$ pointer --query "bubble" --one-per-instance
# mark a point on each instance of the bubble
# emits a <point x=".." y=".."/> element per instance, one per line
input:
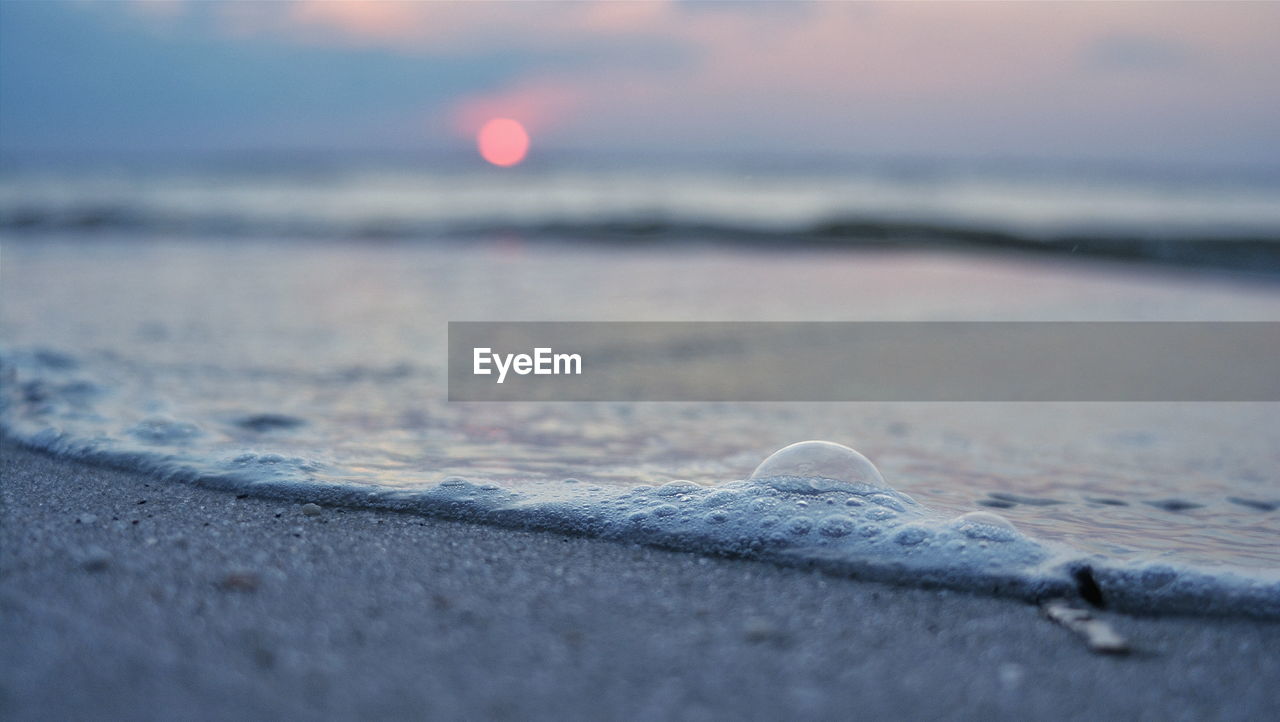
<point x="820" y="460"/>
<point x="886" y="501"/>
<point x="985" y="525"/>
<point x="800" y="525"/>
<point x="720" y="498"/>
<point x="911" y="536"/>
<point x="836" y="525"/>
<point x="459" y="489"/>
<point x="158" y="430"/>
<point x="717" y="517"/>
<point x="880" y="514"/>
<point x="680" y="486"/>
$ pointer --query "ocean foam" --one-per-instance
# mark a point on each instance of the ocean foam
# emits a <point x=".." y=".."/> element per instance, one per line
<point x="813" y="504"/>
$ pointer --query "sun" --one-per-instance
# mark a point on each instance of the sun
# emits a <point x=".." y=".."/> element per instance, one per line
<point x="503" y="142"/>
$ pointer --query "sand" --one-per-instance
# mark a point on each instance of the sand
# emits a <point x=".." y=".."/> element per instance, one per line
<point x="123" y="596"/>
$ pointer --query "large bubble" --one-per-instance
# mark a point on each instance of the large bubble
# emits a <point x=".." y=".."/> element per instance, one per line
<point x="820" y="460"/>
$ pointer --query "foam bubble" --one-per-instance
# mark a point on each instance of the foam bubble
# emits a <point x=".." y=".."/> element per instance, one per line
<point x="720" y="498"/>
<point x="836" y="525"/>
<point x="820" y="460"/>
<point x="678" y="487"/>
<point x="985" y="525"/>
<point x="161" y="430"/>
<point x="912" y="535"/>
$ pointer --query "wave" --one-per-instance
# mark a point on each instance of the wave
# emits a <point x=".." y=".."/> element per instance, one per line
<point x="813" y="504"/>
<point x="1224" y="225"/>
<point x="1258" y="253"/>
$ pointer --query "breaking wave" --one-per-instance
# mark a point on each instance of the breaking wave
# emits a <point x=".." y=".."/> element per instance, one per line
<point x="1224" y="225"/>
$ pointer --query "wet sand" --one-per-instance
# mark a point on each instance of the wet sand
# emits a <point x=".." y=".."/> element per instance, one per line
<point x="123" y="596"/>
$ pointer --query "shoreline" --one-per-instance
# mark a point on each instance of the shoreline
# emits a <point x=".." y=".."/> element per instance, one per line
<point x="1075" y="580"/>
<point x="124" y="595"/>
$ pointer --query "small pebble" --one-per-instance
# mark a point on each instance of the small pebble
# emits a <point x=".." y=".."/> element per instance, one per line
<point x="86" y="518"/>
<point x="1097" y="634"/>
<point x="311" y="509"/>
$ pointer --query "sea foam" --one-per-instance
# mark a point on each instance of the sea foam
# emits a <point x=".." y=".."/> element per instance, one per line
<point x="814" y="504"/>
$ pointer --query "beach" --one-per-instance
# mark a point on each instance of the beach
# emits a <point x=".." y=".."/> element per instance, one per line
<point x="130" y="596"/>
<point x="639" y="361"/>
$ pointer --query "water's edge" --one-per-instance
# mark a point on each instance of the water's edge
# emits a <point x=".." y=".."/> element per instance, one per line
<point x="1016" y="567"/>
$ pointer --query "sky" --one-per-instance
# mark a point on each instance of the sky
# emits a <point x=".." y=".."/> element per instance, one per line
<point x="1185" y="83"/>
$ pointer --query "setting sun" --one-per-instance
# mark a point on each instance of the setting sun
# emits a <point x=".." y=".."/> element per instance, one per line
<point x="503" y="142"/>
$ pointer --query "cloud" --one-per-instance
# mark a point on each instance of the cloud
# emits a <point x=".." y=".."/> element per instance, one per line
<point x="927" y="79"/>
<point x="917" y="78"/>
<point x="462" y="26"/>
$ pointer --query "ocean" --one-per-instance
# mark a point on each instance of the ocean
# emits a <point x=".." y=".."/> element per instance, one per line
<point x="280" y="329"/>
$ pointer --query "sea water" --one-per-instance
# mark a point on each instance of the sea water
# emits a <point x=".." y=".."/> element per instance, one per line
<point x="314" y="369"/>
<point x="346" y="198"/>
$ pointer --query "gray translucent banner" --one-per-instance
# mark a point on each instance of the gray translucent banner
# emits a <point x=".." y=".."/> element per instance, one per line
<point x="1055" y="361"/>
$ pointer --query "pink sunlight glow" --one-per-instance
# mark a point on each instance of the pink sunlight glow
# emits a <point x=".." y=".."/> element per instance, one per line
<point x="1017" y="79"/>
<point x="503" y="142"/>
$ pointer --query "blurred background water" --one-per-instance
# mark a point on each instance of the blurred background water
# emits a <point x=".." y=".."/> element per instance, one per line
<point x="1031" y="205"/>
